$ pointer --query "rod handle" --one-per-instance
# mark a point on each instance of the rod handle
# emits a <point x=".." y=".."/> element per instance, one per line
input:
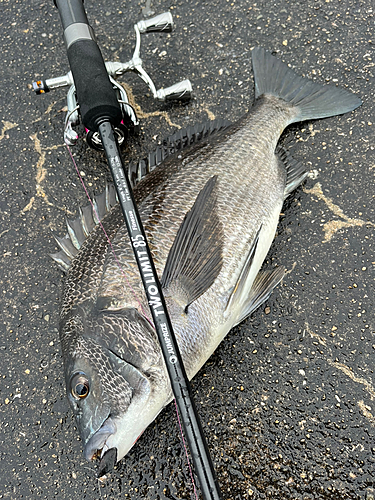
<point x="95" y="94"/>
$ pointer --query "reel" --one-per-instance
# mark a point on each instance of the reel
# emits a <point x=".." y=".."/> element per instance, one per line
<point x="180" y="91"/>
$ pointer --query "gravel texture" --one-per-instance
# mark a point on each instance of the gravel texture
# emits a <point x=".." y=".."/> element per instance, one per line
<point x="288" y="399"/>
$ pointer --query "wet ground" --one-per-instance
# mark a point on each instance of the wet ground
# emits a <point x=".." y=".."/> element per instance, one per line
<point x="288" y="399"/>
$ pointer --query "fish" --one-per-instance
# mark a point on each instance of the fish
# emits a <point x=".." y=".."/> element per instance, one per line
<point x="210" y="206"/>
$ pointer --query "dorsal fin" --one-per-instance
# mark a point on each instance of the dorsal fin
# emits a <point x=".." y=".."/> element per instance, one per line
<point x="195" y="258"/>
<point x="80" y="228"/>
<point x="296" y="171"/>
<point x="180" y="140"/>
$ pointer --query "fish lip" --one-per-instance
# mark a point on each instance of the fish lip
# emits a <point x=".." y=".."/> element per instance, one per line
<point x="99" y="439"/>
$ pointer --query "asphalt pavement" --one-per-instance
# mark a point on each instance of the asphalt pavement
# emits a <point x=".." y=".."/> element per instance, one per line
<point x="288" y="399"/>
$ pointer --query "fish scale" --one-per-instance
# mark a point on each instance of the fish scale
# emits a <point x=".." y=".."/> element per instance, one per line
<point x="82" y="282"/>
<point x="161" y="224"/>
<point x="210" y="212"/>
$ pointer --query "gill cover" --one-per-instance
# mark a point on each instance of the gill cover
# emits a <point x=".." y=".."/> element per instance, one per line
<point x="102" y="370"/>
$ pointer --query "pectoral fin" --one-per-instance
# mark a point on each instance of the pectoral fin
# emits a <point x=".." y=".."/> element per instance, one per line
<point x="195" y="258"/>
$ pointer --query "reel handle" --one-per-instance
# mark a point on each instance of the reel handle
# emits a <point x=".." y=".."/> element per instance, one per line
<point x="180" y="91"/>
<point x="40" y="87"/>
<point x="162" y="22"/>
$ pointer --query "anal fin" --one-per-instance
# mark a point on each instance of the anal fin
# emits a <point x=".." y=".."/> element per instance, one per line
<point x="236" y="296"/>
<point x="262" y="288"/>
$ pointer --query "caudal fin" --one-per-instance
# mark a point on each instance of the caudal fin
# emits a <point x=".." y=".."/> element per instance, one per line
<point x="313" y="100"/>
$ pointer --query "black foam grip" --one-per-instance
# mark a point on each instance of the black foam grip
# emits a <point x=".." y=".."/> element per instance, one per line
<point x="95" y="94"/>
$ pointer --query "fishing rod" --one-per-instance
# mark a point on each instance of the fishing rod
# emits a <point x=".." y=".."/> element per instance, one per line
<point x="101" y="114"/>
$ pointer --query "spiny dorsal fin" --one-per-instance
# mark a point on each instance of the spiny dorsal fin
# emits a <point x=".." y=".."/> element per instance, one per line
<point x="195" y="258"/>
<point x="80" y="228"/>
<point x="75" y="232"/>
<point x="179" y="141"/>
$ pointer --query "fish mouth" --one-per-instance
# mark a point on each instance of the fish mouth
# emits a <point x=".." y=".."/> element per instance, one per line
<point x="96" y="446"/>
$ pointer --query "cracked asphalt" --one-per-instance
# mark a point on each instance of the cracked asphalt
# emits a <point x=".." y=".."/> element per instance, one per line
<point x="288" y="399"/>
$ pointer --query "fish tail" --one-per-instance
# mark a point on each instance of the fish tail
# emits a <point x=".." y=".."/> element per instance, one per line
<point x="313" y="100"/>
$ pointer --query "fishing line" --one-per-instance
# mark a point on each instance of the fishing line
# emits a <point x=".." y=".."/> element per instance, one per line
<point x="108" y="239"/>
<point x="186" y="451"/>
<point x="139" y="303"/>
<point x="102" y="113"/>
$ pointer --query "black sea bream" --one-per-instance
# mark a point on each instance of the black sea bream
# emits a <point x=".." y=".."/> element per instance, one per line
<point x="210" y="212"/>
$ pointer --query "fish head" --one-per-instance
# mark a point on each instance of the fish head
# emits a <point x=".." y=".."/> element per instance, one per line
<point x="113" y="377"/>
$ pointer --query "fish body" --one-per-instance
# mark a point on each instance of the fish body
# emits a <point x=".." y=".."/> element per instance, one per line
<point x="210" y="213"/>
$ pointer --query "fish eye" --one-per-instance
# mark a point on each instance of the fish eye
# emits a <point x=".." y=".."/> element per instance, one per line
<point x="79" y="386"/>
